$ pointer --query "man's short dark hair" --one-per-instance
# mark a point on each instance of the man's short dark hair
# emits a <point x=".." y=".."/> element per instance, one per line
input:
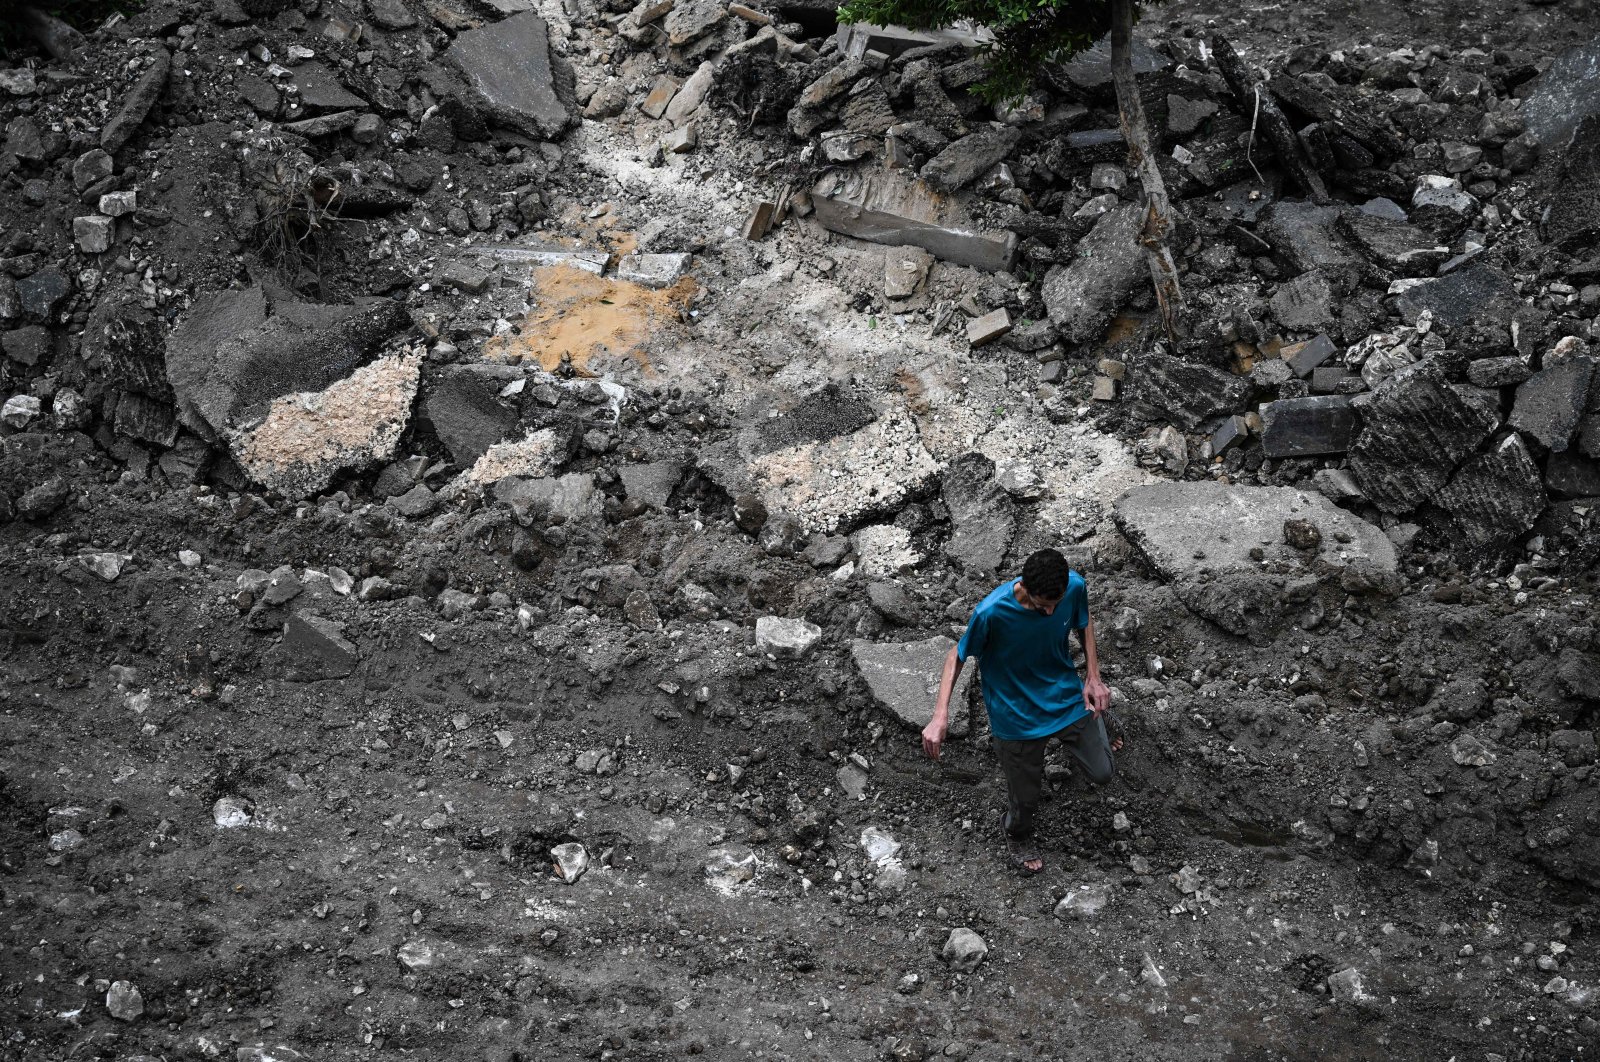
<point x="1045" y="574"/>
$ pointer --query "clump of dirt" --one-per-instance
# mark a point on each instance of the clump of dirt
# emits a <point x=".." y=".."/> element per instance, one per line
<point x="579" y="318"/>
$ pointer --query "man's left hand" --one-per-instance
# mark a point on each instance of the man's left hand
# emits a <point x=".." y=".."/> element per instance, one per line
<point x="1097" y="696"/>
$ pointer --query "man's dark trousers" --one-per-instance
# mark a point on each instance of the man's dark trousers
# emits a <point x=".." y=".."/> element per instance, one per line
<point x="1022" y="762"/>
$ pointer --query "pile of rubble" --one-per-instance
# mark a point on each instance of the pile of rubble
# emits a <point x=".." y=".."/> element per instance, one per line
<point x="1387" y="300"/>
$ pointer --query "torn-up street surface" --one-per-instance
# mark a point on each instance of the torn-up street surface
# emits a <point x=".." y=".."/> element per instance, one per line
<point x="487" y="488"/>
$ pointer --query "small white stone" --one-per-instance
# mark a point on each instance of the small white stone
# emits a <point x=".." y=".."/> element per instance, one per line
<point x="231" y="812"/>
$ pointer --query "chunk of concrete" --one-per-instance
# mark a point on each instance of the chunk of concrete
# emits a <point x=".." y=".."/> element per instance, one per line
<point x="517" y="81"/>
<point x="1186" y="529"/>
<point x="883" y="208"/>
<point x="786" y="639"/>
<point x="1304" y="236"/>
<point x="989" y="327"/>
<point x="572" y="497"/>
<point x="1305" y="427"/>
<point x="93" y="233"/>
<point x="1308" y="303"/>
<point x="654" y="270"/>
<point x="903" y="678"/>
<point x="651" y="483"/>
<point x="1551" y="403"/>
<point x="1083" y="296"/>
<point x="905" y="269"/>
<point x="465" y="411"/>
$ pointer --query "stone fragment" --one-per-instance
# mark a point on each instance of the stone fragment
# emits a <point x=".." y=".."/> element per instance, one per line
<point x="681" y="140"/>
<point x="391" y="14"/>
<point x="1083" y="296"/>
<point x="1308" y="303"/>
<point x="119" y="204"/>
<point x="1346" y="986"/>
<point x="232" y="813"/>
<point x="816" y="102"/>
<point x="570" y="861"/>
<point x="905" y="269"/>
<point x="1498" y="372"/>
<point x="786" y="639"/>
<point x="93" y="234"/>
<point x="1496" y="496"/>
<point x="136" y="103"/>
<point x="903" y="678"/>
<point x="1416" y="429"/>
<point x="1235" y="430"/>
<point x="124" y="1001"/>
<point x="572" y="497"/>
<point x="651" y="483"/>
<point x="689" y="20"/>
<point x="760" y="221"/>
<point x="510" y="67"/>
<point x="1304" y="236"/>
<point x="1571" y="475"/>
<point x="1085" y="901"/>
<point x="964" y="951"/>
<point x="1188" y="392"/>
<point x="1304" y="427"/>
<point x="105" y="565"/>
<point x="967" y="159"/>
<point x="91" y="167"/>
<point x="42" y="293"/>
<point x="1550" y="403"/>
<point x="43" y="501"/>
<point x="655" y="102"/>
<point x="688" y="98"/>
<point x="1185" y="115"/>
<point x="729" y="868"/>
<point x="988" y="328"/>
<point x="19" y="412"/>
<point x="1468" y="751"/>
<point x="417" y="955"/>
<point x="316" y="649"/>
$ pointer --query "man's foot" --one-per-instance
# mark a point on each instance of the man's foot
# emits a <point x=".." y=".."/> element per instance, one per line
<point x="1022" y="851"/>
<point x="1115" y="732"/>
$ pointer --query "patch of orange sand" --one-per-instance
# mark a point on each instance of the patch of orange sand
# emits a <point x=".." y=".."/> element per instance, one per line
<point x="584" y="316"/>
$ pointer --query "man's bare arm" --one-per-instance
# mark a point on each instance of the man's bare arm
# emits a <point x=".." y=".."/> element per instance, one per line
<point x="934" y="733"/>
<point x="1094" y="690"/>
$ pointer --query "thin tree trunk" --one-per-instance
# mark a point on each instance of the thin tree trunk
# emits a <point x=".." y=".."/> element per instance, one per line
<point x="51" y="34"/>
<point x="1156" y="235"/>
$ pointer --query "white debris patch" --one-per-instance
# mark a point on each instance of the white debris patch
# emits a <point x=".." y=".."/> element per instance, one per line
<point x="828" y="483"/>
<point x="539" y="453"/>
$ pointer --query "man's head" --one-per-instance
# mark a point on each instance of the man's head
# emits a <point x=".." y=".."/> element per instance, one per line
<point x="1044" y="580"/>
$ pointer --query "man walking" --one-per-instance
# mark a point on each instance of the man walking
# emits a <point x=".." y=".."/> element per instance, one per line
<point x="1032" y="689"/>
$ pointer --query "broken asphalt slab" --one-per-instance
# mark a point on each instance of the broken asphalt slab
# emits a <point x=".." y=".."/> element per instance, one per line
<point x="515" y="79"/>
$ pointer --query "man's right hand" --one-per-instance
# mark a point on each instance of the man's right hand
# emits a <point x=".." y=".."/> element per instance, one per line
<point x="933" y="736"/>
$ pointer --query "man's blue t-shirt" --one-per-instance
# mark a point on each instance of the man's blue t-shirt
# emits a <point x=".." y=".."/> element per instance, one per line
<point x="1030" y="683"/>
